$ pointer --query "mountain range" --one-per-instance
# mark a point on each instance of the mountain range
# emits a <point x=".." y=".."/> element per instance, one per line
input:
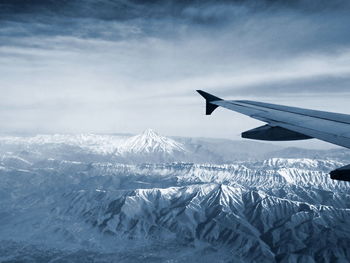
<point x="151" y="147"/>
<point x="119" y="198"/>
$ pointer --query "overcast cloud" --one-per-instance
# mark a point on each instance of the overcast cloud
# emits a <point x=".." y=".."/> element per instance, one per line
<point x="123" y="66"/>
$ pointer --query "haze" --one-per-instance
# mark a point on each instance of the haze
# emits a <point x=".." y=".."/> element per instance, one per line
<point x="123" y="66"/>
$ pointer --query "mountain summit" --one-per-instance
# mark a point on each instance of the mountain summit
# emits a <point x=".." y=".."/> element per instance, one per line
<point x="150" y="142"/>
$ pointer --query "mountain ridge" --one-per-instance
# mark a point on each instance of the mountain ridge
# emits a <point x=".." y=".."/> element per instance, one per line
<point x="66" y="202"/>
<point x="152" y="147"/>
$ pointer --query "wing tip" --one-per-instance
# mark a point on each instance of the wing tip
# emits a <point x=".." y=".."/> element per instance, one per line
<point x="207" y="96"/>
<point x="209" y="107"/>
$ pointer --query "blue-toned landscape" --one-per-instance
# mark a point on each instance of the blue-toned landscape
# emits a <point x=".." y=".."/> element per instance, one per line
<point x="123" y="198"/>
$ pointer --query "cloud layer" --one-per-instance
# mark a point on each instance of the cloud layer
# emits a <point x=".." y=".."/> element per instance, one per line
<point x="111" y="66"/>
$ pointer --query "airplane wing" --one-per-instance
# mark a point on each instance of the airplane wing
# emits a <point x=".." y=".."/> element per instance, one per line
<point x="289" y="123"/>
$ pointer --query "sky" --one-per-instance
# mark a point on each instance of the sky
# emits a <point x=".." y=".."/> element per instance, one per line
<point x="104" y="66"/>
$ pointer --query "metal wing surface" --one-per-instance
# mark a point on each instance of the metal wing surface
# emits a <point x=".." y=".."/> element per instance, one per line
<point x="287" y="123"/>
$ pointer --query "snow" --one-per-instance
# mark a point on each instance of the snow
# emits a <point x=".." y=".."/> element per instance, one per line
<point x="103" y="144"/>
<point x="260" y="210"/>
<point x="150" y="142"/>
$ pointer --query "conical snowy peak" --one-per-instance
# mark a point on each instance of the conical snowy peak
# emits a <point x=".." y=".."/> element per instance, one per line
<point x="150" y="142"/>
<point x="150" y="133"/>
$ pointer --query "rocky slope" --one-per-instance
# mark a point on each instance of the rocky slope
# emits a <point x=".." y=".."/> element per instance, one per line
<point x="62" y="209"/>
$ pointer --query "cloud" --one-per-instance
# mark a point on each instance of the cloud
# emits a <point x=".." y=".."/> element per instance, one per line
<point x="135" y="64"/>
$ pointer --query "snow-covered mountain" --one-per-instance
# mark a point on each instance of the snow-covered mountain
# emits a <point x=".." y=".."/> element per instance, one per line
<point x="150" y="142"/>
<point x="150" y="147"/>
<point x="146" y="147"/>
<point x="63" y="202"/>
<point x="254" y="225"/>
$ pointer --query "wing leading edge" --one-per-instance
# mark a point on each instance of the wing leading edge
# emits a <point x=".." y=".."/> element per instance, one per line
<point x="289" y="123"/>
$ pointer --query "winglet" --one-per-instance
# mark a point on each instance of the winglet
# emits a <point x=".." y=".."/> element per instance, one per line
<point x="209" y="107"/>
